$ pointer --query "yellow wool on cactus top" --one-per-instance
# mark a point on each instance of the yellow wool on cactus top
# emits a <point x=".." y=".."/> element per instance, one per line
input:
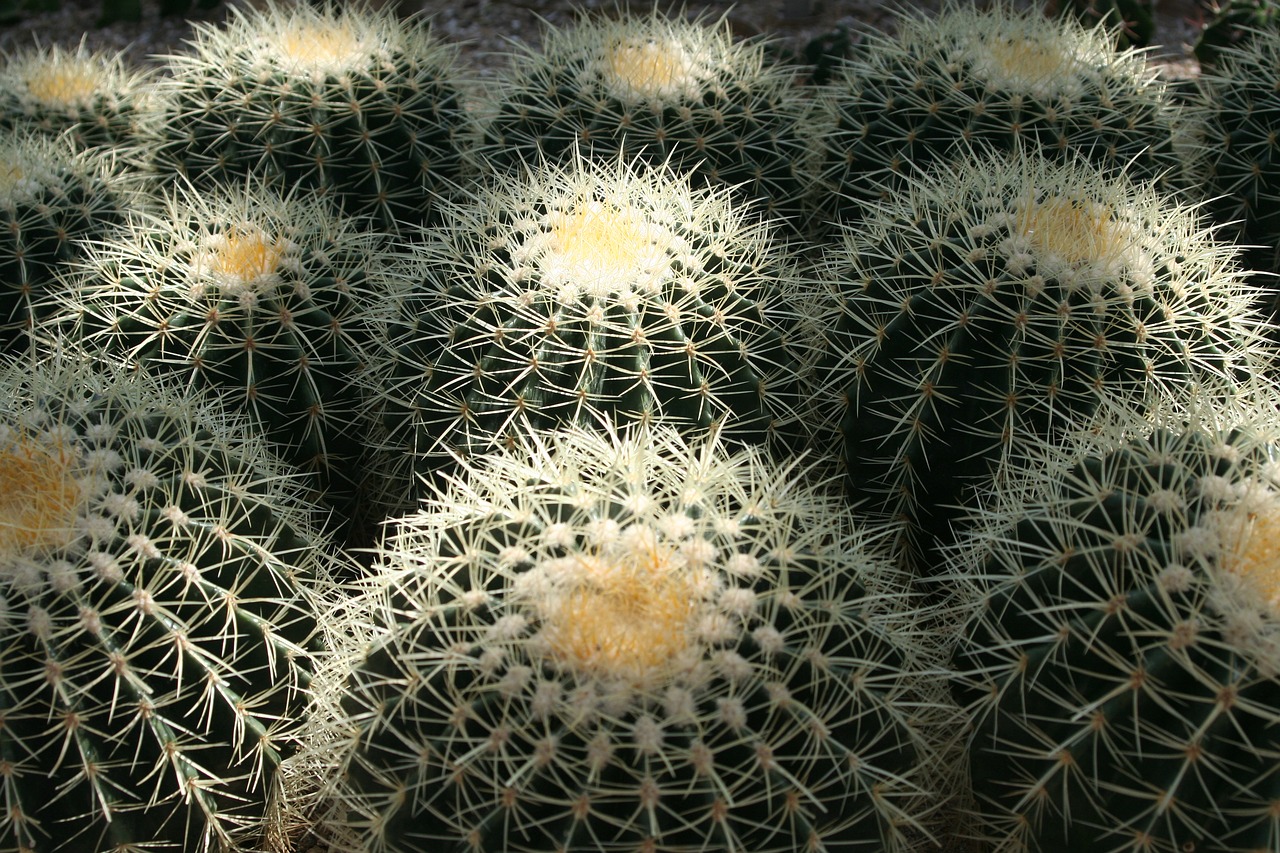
<point x="1079" y="232"/>
<point x="246" y="253"/>
<point x="40" y="496"/>
<point x="601" y="248"/>
<point x="322" y="44"/>
<point x="640" y="68"/>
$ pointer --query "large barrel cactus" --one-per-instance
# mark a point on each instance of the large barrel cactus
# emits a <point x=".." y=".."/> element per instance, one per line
<point x="156" y="572"/>
<point x="613" y="643"/>
<point x="341" y="99"/>
<point x="668" y="91"/>
<point x="1002" y="298"/>
<point x="596" y="293"/>
<point x="1124" y="666"/>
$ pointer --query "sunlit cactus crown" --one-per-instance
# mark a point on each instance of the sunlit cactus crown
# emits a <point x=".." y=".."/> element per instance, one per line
<point x="1125" y="659"/>
<point x="341" y="99"/>
<point x="594" y="294"/>
<point x="630" y="642"/>
<point x="664" y="89"/>
<point x="265" y="300"/>
<point x="155" y="567"/>
<point x="1006" y="297"/>
<point x="94" y="95"/>
<point x="997" y="77"/>
<point x="51" y="197"/>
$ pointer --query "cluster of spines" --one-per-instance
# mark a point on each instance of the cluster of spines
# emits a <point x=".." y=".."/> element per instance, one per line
<point x="661" y="90"/>
<point x="1121" y="666"/>
<point x="157" y="576"/>
<point x="608" y="642"/>
<point x="597" y="294"/>
<point x="999" y="299"/>
<point x="347" y="101"/>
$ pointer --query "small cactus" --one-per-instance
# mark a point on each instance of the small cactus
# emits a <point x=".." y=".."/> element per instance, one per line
<point x="156" y="615"/>
<point x="614" y="643"/>
<point x="1006" y="297"/>
<point x="1123" y="665"/>
<point x="596" y="293"/>
<point x="343" y="100"/>
<point x="265" y="301"/>
<point x="95" y="96"/>
<point x="662" y="90"/>
<point x="52" y="197"/>
<point x="998" y="78"/>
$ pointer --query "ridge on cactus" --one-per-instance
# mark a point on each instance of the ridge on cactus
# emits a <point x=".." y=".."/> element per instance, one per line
<point x="156" y="572"/>
<point x="627" y="641"/>
<point x="661" y="90"/>
<point x="52" y="197"/>
<point x="341" y="99"/>
<point x="1003" y="298"/>
<point x="93" y="95"/>
<point x="1123" y="662"/>
<point x="1002" y="78"/>
<point x="595" y="293"/>
<point x="266" y="301"/>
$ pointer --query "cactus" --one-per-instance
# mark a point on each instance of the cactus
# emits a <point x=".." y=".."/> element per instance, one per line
<point x="51" y="197"/>
<point x="349" y="101"/>
<point x="1123" y="665"/>
<point x="1001" y="78"/>
<point x="630" y="642"/>
<point x="1002" y="298"/>
<point x="95" y="96"/>
<point x="264" y="300"/>
<point x="593" y="294"/>
<point x="659" y="89"/>
<point x="155" y="612"/>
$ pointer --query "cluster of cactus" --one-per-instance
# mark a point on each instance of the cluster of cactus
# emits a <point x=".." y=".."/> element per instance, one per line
<point x="156" y="573"/>
<point x="685" y="94"/>
<point x="1123" y="668"/>
<point x="264" y="300"/>
<point x="93" y="96"/>
<point x="51" y="197"/>
<point x="1000" y="78"/>
<point x="1003" y="298"/>
<point x="354" y="103"/>
<point x="596" y="293"/>
<point x="613" y="642"/>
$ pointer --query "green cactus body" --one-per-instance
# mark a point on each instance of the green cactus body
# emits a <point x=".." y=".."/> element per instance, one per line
<point x="998" y="78"/>
<point x="631" y="643"/>
<point x="593" y="295"/>
<point x="93" y="96"/>
<point x="1007" y="298"/>
<point x="51" y="196"/>
<point x="1236" y="109"/>
<point x="262" y="300"/>
<point x="1124" y="667"/>
<point x="665" y="91"/>
<point x="355" y="103"/>
<point x="157" y="633"/>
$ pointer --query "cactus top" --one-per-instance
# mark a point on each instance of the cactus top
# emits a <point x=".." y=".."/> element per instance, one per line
<point x="31" y="164"/>
<point x="41" y="493"/>
<point x="65" y="81"/>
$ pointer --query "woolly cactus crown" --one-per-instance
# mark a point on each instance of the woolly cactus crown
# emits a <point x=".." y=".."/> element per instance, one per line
<point x="594" y="293"/>
<point x="613" y="642"/>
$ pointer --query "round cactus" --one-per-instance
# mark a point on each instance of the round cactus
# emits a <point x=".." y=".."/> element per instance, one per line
<point x="51" y="197"/>
<point x="1123" y="668"/>
<point x="663" y="90"/>
<point x="348" y="101"/>
<point x="1001" y="298"/>
<point x="593" y="294"/>
<point x="156" y="617"/>
<point x="265" y="301"/>
<point x="997" y="77"/>
<point x="617" y="643"/>
<point x="94" y="96"/>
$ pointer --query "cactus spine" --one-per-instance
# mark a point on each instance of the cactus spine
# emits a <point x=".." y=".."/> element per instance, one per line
<point x="661" y="90"/>
<point x="1124" y="663"/>
<point x="154" y="572"/>
<point x="1003" y="298"/>
<point x="611" y="643"/>
<point x="351" y="102"/>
